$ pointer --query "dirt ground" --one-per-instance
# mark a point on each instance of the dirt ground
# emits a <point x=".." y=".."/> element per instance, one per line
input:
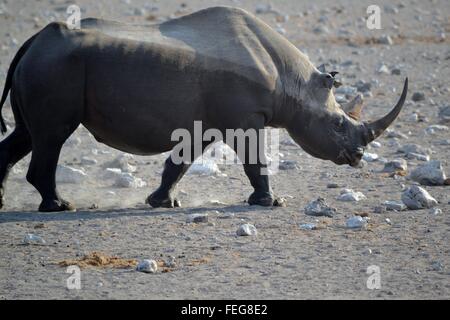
<point x="283" y="261"/>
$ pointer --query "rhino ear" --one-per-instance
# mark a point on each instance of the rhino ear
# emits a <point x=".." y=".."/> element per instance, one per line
<point x="353" y="108"/>
<point x="321" y="68"/>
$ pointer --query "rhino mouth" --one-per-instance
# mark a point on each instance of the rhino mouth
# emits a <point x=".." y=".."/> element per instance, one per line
<point x="352" y="160"/>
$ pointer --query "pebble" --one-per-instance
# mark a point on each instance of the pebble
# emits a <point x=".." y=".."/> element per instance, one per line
<point x="197" y="218"/>
<point x="357" y="222"/>
<point x="385" y="39"/>
<point x="246" y="230"/>
<point x="203" y="167"/>
<point x="444" y="113"/>
<point x="147" y="266"/>
<point x="287" y="165"/>
<point x="418" y="96"/>
<point x="86" y="161"/>
<point x="65" y="174"/>
<point x="127" y="180"/>
<point x="308" y="226"/>
<point x="436" y="128"/>
<point x="395" y="134"/>
<point x="112" y="173"/>
<point x="375" y="144"/>
<point x="413" y="148"/>
<point x="370" y="157"/>
<point x="435" y="211"/>
<point x="416" y="198"/>
<point x="429" y="174"/>
<point x="350" y="195"/>
<point x="437" y="266"/>
<point x="122" y="163"/>
<point x="319" y="207"/>
<point x="383" y="69"/>
<point x="32" y="239"/>
<point x="417" y="156"/>
<point x="394" y="205"/>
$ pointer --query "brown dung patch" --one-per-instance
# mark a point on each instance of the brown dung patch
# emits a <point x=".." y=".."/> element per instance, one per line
<point x="100" y="260"/>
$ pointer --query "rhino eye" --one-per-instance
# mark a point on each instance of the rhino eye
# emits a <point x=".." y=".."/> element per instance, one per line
<point x="339" y="124"/>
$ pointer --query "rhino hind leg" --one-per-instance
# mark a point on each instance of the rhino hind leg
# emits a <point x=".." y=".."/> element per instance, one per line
<point x="171" y="175"/>
<point x="16" y="146"/>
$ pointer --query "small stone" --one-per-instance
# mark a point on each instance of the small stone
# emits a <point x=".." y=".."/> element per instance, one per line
<point x="367" y="251"/>
<point x="436" y="128"/>
<point x="147" y="266"/>
<point x="429" y="174"/>
<point x="263" y="8"/>
<point x="444" y="114"/>
<point x="287" y="165"/>
<point x="203" y="167"/>
<point x="417" y="156"/>
<point x="333" y="185"/>
<point x="388" y="221"/>
<point x="416" y="198"/>
<point x="437" y="266"/>
<point x="413" y="148"/>
<point x="197" y="218"/>
<point x="31" y="239"/>
<point x="127" y="180"/>
<point x="319" y="207"/>
<point x="370" y="157"/>
<point x="418" y="96"/>
<point x="435" y="211"/>
<point x="86" y="161"/>
<point x="375" y="144"/>
<point x="383" y="69"/>
<point x="396" y="72"/>
<point x="357" y="222"/>
<point x="308" y="226"/>
<point x="65" y="174"/>
<point x="350" y="195"/>
<point x="246" y="230"/>
<point x="394" y="205"/>
<point x="123" y="163"/>
<point x="385" y="39"/>
<point x="280" y="202"/>
<point x="112" y="173"/>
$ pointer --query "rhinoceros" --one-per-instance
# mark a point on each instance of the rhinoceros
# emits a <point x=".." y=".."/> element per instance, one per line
<point x="131" y="86"/>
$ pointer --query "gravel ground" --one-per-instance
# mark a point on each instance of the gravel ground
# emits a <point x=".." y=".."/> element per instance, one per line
<point x="283" y="261"/>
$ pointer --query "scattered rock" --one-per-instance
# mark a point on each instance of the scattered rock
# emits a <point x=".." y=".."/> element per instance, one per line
<point x="375" y="144"/>
<point x="370" y="157"/>
<point x="417" y="156"/>
<point x="435" y="211"/>
<point x="288" y="165"/>
<point x="394" y="205"/>
<point x="436" y="128"/>
<point x="416" y="198"/>
<point x="65" y="174"/>
<point x="308" y="226"/>
<point x="122" y="163"/>
<point x="112" y="173"/>
<point x="429" y="174"/>
<point x="395" y="165"/>
<point x="30" y="239"/>
<point x="395" y="134"/>
<point x="280" y="202"/>
<point x="246" y="230"/>
<point x="127" y="180"/>
<point x="413" y="148"/>
<point x="383" y="69"/>
<point x="204" y="167"/>
<point x="385" y="39"/>
<point x="86" y="161"/>
<point x="357" y="222"/>
<point x="197" y="218"/>
<point x="319" y="208"/>
<point x="418" y="96"/>
<point x="444" y="113"/>
<point x="437" y="266"/>
<point x="350" y="195"/>
<point x="147" y="266"/>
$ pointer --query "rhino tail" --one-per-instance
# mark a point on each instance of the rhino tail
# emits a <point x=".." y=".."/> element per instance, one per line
<point x="9" y="76"/>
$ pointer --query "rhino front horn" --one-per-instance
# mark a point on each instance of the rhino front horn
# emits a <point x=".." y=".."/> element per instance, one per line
<point x="377" y="127"/>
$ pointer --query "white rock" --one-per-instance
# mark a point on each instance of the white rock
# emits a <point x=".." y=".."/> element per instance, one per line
<point x="413" y="148"/>
<point x="319" y="208"/>
<point x="32" y="239"/>
<point x="308" y="226"/>
<point x="435" y="211"/>
<point x="416" y="197"/>
<point x="350" y="195"/>
<point x="383" y="69"/>
<point x="429" y="174"/>
<point x="122" y="162"/>
<point x="86" y="161"/>
<point x="147" y="266"/>
<point x="370" y="157"/>
<point x="112" y="173"/>
<point x="204" y="167"/>
<point x="65" y="174"/>
<point x="197" y="218"/>
<point x="375" y="144"/>
<point x="246" y="230"/>
<point x="127" y="180"/>
<point x="394" y="205"/>
<point x="417" y="156"/>
<point x="357" y="222"/>
<point x="436" y="128"/>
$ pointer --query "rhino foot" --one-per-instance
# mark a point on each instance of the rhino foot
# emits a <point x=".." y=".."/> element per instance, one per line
<point x="162" y="202"/>
<point x="265" y="199"/>
<point x="56" y="205"/>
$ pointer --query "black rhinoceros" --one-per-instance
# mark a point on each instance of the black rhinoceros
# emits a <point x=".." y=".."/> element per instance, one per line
<point x="132" y="86"/>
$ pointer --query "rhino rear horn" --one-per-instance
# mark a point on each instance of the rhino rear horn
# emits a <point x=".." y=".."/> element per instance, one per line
<point x="376" y="128"/>
<point x="353" y="108"/>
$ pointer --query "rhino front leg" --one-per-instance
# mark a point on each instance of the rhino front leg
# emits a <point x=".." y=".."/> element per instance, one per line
<point x="262" y="195"/>
<point x="172" y="173"/>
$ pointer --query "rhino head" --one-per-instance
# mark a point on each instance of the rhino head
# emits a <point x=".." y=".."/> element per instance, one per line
<point x="330" y="131"/>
